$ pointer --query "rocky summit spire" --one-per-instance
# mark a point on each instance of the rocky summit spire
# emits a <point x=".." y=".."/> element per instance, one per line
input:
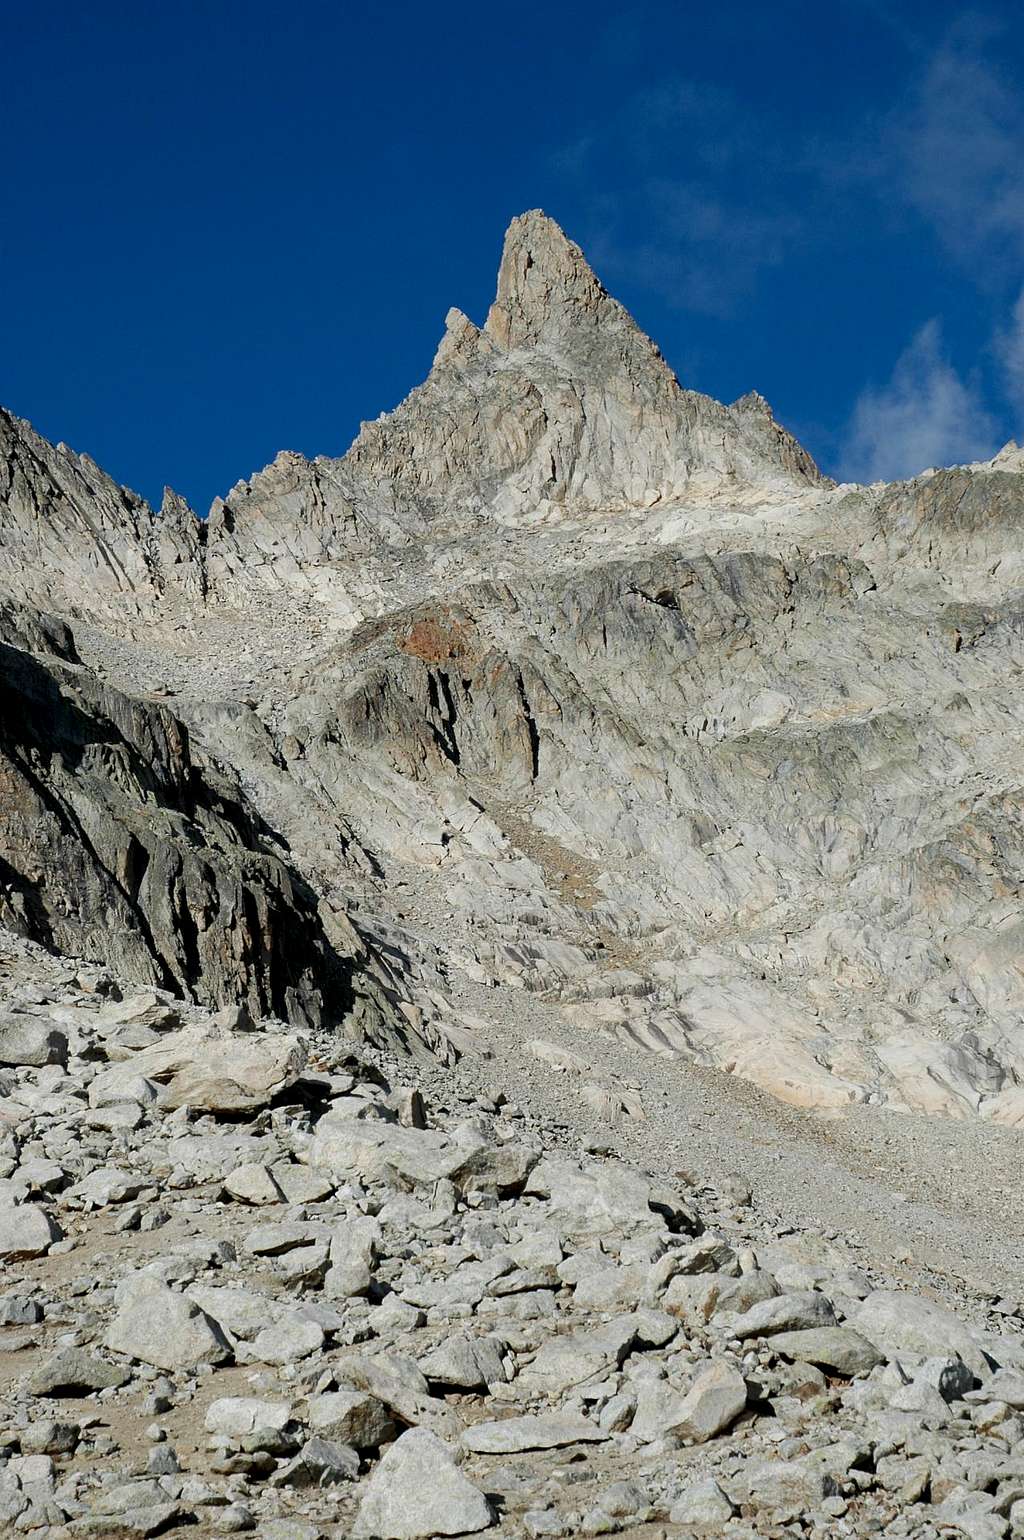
<point x="562" y="404"/>
<point x="545" y="285"/>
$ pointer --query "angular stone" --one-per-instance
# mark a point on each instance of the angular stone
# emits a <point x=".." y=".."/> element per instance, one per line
<point x="512" y="1435"/>
<point x="287" y="1342"/>
<point x="320" y="1462"/>
<point x="157" y="1326"/>
<point x="351" y="1417"/>
<point x="243" y="1416"/>
<point x="200" y="1067"/>
<point x="26" y="1231"/>
<point x="253" y="1183"/>
<point x="907" y="1323"/>
<point x="786" y="1312"/>
<point x="28" y="1041"/>
<point x="418" y="1491"/>
<point x="714" y="1401"/>
<point x="702" y="1506"/>
<point x="829" y="1347"/>
<point x="73" y="1371"/>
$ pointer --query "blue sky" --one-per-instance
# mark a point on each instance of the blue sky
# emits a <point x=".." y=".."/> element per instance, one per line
<point x="233" y="228"/>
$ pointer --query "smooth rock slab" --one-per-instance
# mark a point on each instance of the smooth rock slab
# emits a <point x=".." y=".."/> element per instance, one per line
<point x="418" y="1491"/>
<point x="512" y="1435"/>
<point x="829" y="1347"/>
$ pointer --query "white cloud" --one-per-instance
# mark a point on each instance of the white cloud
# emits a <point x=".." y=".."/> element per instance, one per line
<point x="958" y="142"/>
<point x="1010" y="351"/>
<point x="926" y="415"/>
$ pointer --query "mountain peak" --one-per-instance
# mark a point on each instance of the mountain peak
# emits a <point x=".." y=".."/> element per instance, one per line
<point x="545" y="284"/>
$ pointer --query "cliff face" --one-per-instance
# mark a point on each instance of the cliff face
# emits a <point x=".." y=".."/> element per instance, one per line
<point x="565" y="685"/>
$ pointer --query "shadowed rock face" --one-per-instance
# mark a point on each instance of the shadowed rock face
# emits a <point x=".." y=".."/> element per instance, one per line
<point x="119" y="847"/>
<point x="579" y="690"/>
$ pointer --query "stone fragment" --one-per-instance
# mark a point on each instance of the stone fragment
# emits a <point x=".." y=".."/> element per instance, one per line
<point x="26" y="1230"/>
<point x="512" y="1435"/>
<point x="351" y="1417"/>
<point x="201" y="1067"/>
<point x="320" y="1462"/>
<point x="241" y="1417"/>
<point x="253" y="1183"/>
<point x="786" y="1312"/>
<point x="73" y="1371"/>
<point x="157" y="1326"/>
<point x="829" y="1347"/>
<point x="702" y="1506"/>
<point x="908" y="1323"/>
<point x="714" y="1401"/>
<point x="418" y="1491"/>
<point x="29" y="1041"/>
<point x="287" y="1342"/>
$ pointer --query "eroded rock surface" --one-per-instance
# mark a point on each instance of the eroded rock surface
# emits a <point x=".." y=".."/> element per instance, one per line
<point x="424" y="883"/>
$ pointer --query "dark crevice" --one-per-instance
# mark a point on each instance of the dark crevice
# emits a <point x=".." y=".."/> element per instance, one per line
<point x="531" y="727"/>
<point x="442" y="703"/>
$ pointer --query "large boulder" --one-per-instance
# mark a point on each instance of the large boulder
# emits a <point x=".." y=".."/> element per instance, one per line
<point x="201" y="1067"/>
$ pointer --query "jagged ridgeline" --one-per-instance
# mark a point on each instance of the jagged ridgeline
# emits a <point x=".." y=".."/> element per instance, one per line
<point x="565" y="689"/>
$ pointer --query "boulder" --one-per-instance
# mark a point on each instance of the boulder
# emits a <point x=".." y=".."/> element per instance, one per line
<point x="157" y="1326"/>
<point x="829" y="1347"/>
<point x="30" y="1042"/>
<point x="418" y="1491"/>
<point x="785" y="1312"/>
<point x="26" y="1230"/>
<point x="513" y="1435"/>
<point x="201" y="1067"/>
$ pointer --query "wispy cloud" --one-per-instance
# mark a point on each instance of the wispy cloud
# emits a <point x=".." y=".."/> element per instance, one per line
<point x="925" y="415"/>
<point x="708" y="230"/>
<point x="957" y="150"/>
<point x="1009" y="348"/>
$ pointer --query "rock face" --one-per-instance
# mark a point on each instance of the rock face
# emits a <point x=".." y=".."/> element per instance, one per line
<point x="647" y="719"/>
<point x="427" y="884"/>
<point x="561" y="404"/>
<point x="120" y="845"/>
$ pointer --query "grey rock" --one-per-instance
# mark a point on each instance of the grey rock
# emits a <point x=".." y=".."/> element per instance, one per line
<point x="26" y="1040"/>
<point x="351" y="1417"/>
<point x="320" y="1462"/>
<point x="512" y="1435"/>
<point x="714" y="1401"/>
<point x="784" y="1313"/>
<point x="703" y="1505"/>
<point x="72" y="1372"/>
<point x="900" y="1322"/>
<point x="26" y="1231"/>
<point x="241" y="1417"/>
<point x="829" y="1347"/>
<point x="155" y="1325"/>
<point x="287" y="1341"/>
<point x="418" y="1491"/>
